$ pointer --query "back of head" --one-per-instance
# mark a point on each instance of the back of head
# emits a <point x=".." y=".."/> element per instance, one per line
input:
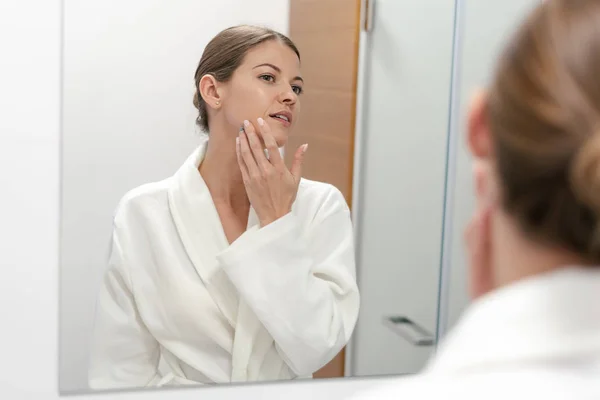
<point x="544" y="116"/>
<point x="224" y="54"/>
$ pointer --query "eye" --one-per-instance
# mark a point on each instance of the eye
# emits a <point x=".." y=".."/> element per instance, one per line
<point x="297" y="89"/>
<point x="267" y="77"/>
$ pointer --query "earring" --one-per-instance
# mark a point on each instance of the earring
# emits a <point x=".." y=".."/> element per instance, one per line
<point x="218" y="102"/>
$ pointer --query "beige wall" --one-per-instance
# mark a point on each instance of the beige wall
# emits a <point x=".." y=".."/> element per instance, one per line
<point x="327" y="33"/>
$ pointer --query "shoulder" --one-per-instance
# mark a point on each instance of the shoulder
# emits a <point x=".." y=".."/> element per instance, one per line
<point x="519" y="381"/>
<point x="141" y="200"/>
<point x="323" y="197"/>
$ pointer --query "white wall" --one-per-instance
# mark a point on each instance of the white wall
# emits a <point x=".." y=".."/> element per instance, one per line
<point x="127" y="119"/>
<point x="483" y="36"/>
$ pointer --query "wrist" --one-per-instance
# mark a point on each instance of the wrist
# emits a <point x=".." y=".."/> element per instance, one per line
<point x="265" y="222"/>
<point x="269" y="220"/>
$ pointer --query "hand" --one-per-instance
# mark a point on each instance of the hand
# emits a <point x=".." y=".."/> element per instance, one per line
<point x="270" y="186"/>
<point x="477" y="239"/>
<point x="478" y="233"/>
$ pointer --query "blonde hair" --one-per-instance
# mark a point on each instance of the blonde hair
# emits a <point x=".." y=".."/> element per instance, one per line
<point x="544" y="117"/>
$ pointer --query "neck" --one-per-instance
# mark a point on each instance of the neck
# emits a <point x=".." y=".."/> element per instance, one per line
<point x="221" y="172"/>
<point x="517" y="257"/>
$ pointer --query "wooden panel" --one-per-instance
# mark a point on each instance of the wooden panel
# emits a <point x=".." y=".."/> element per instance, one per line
<point x="327" y="160"/>
<point x="315" y="15"/>
<point x="326" y="113"/>
<point x="335" y="368"/>
<point x="326" y="33"/>
<point x="328" y="58"/>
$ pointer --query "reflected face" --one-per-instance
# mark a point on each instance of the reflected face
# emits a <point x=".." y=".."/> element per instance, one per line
<point x="267" y="84"/>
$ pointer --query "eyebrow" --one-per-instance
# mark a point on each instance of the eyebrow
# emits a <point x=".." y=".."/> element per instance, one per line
<point x="276" y="68"/>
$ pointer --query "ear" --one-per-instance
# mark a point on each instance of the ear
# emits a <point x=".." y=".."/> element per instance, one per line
<point x="209" y="89"/>
<point x="480" y="145"/>
<point x="478" y="133"/>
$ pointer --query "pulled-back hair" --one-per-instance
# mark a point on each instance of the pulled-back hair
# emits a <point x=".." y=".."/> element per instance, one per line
<point x="224" y="54"/>
<point x="544" y="117"/>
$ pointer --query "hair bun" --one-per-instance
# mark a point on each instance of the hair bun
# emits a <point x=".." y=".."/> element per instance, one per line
<point x="585" y="181"/>
<point x="585" y="173"/>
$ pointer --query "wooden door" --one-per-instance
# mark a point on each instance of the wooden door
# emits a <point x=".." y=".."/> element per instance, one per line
<point x="327" y="35"/>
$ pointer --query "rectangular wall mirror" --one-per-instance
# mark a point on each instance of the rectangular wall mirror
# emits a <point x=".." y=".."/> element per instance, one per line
<point x="160" y="277"/>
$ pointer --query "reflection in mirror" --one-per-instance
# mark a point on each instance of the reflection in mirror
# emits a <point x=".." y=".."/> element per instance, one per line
<point x="191" y="251"/>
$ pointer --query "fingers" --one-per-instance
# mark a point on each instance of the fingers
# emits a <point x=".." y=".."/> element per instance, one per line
<point x="247" y="156"/>
<point x="479" y="252"/>
<point x="254" y="158"/>
<point x="270" y="144"/>
<point x="485" y="229"/>
<point x="256" y="146"/>
<point x="479" y="180"/>
<point x="469" y="234"/>
<point x="477" y="238"/>
<point x="485" y="183"/>
<point x="240" y="159"/>
<point x="297" y="164"/>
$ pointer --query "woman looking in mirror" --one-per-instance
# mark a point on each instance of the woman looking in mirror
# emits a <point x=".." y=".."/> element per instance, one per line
<point x="234" y="269"/>
<point x="533" y="330"/>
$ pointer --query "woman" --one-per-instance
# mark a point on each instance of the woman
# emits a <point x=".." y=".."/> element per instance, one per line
<point x="533" y="330"/>
<point x="234" y="269"/>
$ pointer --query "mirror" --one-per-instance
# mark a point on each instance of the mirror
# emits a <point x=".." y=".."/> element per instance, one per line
<point x="166" y="279"/>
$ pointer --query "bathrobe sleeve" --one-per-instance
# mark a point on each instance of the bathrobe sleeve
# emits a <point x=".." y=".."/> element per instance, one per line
<point x="300" y="283"/>
<point x="123" y="353"/>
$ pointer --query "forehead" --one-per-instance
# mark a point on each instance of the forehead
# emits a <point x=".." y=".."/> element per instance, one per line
<point x="276" y="53"/>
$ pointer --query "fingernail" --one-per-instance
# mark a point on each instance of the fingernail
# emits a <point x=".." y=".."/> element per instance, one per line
<point x="246" y="123"/>
<point x="237" y="140"/>
<point x="261" y="121"/>
<point x="304" y="148"/>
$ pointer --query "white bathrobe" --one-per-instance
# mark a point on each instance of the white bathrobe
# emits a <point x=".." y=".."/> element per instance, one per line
<point x="278" y="303"/>
<point x="535" y="339"/>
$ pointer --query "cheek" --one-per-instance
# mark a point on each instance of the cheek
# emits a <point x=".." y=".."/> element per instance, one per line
<point x="249" y="102"/>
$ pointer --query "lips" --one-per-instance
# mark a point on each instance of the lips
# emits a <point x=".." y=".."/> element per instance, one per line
<point x="283" y="116"/>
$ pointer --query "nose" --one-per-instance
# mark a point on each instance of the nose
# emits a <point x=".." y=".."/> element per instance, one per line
<point x="288" y="96"/>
